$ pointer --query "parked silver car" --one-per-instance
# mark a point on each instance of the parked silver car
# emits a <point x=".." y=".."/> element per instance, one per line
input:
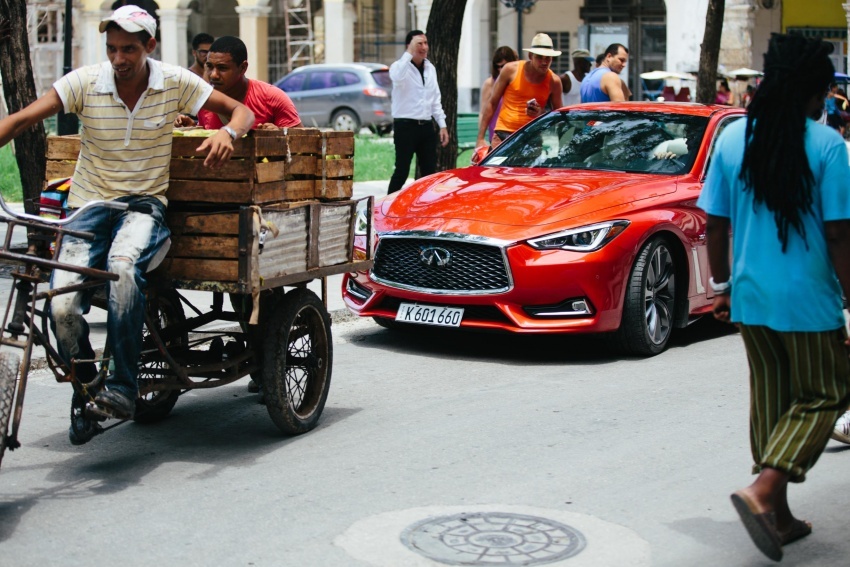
<point x="347" y="96"/>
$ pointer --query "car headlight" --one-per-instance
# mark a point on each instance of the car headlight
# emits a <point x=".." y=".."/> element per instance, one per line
<point x="581" y="239"/>
<point x="361" y="222"/>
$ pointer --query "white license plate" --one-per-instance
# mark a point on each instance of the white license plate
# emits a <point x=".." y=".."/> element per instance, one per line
<point x="429" y="315"/>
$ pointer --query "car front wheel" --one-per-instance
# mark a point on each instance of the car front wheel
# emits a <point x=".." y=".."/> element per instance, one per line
<point x="649" y="306"/>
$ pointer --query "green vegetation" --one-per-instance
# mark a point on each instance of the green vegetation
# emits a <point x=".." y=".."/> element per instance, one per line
<point x="10" y="179"/>
<point x="374" y="159"/>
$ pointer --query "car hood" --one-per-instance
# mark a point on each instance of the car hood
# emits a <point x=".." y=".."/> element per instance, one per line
<point x="512" y="197"/>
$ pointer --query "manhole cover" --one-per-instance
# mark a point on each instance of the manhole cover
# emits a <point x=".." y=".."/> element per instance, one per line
<point x="488" y="538"/>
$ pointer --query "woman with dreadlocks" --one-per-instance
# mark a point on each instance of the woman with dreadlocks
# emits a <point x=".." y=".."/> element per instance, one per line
<point x="780" y="182"/>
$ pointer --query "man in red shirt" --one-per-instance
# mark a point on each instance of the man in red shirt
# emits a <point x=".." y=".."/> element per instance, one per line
<point x="225" y="69"/>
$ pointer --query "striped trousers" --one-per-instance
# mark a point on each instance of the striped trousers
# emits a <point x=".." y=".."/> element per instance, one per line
<point x="799" y="386"/>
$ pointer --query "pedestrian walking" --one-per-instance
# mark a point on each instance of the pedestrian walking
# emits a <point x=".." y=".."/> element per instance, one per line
<point x="779" y="180"/>
<point x="724" y="94"/>
<point x="501" y="57"/>
<point x="416" y="105"/>
<point x="525" y="88"/>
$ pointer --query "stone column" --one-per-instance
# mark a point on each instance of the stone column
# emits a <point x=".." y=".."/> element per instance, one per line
<point x="335" y="32"/>
<point x="254" y="31"/>
<point x="736" y="44"/>
<point x="93" y="42"/>
<point x="173" y="28"/>
<point x="423" y="10"/>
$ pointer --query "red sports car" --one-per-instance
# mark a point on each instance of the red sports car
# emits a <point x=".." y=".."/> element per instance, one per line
<point x="584" y="221"/>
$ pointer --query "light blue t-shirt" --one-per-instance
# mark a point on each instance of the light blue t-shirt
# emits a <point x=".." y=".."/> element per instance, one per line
<point x="796" y="290"/>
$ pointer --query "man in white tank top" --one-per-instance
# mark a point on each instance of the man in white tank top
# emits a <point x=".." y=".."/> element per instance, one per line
<point x="571" y="80"/>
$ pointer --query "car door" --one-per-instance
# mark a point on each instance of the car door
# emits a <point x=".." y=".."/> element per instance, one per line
<point x="319" y="97"/>
<point x="295" y="86"/>
<point x="700" y="249"/>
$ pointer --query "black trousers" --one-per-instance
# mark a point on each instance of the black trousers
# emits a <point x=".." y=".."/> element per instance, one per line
<point x="413" y="137"/>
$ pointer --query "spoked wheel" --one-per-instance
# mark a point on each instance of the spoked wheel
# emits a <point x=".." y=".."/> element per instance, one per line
<point x="165" y="309"/>
<point x="649" y="307"/>
<point x="10" y="363"/>
<point x="297" y="359"/>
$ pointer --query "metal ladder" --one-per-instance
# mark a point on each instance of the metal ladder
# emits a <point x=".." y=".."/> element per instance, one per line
<point x="298" y="26"/>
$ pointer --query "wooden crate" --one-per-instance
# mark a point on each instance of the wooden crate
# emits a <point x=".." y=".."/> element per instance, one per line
<point x="211" y="247"/>
<point x="335" y="166"/>
<point x="62" y="154"/>
<point x="268" y="166"/>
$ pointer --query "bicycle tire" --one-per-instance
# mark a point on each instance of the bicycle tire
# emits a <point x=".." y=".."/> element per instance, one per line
<point x="10" y="364"/>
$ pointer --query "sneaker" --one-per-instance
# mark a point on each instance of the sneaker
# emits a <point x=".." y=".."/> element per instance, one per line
<point x="842" y="429"/>
<point x="110" y="403"/>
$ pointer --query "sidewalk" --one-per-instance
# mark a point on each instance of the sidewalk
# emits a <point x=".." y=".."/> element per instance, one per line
<point x="97" y="317"/>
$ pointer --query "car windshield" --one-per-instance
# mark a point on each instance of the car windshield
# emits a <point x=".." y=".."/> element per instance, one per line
<point x="638" y="142"/>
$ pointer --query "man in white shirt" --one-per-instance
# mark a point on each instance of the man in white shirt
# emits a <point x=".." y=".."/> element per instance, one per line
<point x="416" y="103"/>
<point x="571" y="80"/>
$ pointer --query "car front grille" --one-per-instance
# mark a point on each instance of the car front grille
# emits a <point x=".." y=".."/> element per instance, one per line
<point x="415" y="263"/>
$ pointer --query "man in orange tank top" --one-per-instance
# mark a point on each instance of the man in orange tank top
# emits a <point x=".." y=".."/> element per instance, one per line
<point x="525" y="87"/>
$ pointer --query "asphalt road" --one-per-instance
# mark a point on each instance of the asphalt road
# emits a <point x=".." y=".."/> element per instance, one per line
<point x="638" y="456"/>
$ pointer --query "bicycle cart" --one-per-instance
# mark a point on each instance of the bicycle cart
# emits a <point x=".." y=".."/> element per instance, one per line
<point x="253" y="262"/>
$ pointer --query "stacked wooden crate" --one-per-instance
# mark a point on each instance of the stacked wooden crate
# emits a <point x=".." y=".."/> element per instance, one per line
<point x="299" y="181"/>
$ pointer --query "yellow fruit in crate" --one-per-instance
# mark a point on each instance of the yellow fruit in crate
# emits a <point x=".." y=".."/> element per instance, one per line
<point x="195" y="132"/>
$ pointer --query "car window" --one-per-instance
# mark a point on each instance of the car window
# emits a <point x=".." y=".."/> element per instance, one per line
<point x="382" y="77"/>
<point x="323" y="80"/>
<point x="720" y="127"/>
<point x="639" y="142"/>
<point x="293" y="83"/>
<point x="349" y="78"/>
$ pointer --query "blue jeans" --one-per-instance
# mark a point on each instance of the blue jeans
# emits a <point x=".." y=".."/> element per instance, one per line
<point x="124" y="244"/>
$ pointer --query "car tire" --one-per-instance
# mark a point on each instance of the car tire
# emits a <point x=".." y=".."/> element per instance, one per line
<point x="650" y="300"/>
<point x="345" y="120"/>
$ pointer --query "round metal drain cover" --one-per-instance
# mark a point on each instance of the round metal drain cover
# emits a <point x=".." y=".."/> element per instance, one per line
<point x="487" y="538"/>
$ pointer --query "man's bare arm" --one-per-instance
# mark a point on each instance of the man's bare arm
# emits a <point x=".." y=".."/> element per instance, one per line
<point x="612" y="85"/>
<point x="13" y="125"/>
<point x="220" y="146"/>
<point x="489" y="108"/>
<point x="717" y="240"/>
<point x="556" y="93"/>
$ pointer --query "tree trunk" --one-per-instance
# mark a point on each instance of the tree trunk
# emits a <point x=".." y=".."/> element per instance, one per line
<point x="444" y="25"/>
<point x="710" y="52"/>
<point x="19" y="91"/>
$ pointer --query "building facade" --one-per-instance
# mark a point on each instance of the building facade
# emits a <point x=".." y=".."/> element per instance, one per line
<point x="280" y="34"/>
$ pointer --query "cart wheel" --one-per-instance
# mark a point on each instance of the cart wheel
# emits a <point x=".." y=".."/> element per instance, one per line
<point x="165" y="309"/>
<point x="297" y="360"/>
<point x="10" y="363"/>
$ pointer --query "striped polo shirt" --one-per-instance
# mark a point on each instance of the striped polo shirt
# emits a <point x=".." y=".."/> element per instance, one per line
<point x="126" y="152"/>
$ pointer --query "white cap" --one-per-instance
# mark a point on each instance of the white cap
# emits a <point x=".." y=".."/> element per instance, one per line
<point x="131" y="19"/>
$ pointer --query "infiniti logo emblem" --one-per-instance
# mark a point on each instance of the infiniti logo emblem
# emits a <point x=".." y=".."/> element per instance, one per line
<point x="435" y="256"/>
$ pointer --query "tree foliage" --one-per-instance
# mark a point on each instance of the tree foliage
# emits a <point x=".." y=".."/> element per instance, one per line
<point x="19" y="91"/>
<point x="710" y="52"/>
<point x="444" y="27"/>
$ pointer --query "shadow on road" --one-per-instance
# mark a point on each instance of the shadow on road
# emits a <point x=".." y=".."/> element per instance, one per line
<point x="519" y="349"/>
<point x="222" y="428"/>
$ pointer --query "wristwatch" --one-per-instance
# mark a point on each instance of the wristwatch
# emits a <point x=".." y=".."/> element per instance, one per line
<point x="230" y="131"/>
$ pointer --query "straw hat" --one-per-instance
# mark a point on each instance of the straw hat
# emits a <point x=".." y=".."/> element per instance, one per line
<point x="541" y="44"/>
